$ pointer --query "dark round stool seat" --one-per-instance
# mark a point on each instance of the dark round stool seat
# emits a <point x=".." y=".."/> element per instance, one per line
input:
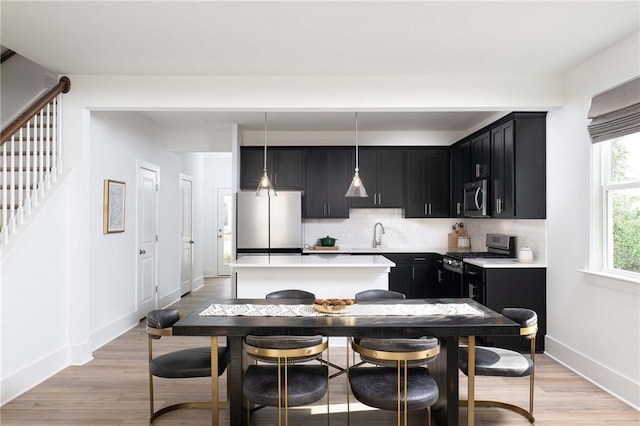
<point x="306" y="384"/>
<point x="496" y="362"/>
<point x="378" y="387"/>
<point x="193" y="362"/>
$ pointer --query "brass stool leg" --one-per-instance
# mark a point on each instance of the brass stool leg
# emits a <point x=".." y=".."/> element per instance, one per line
<point x="471" y="380"/>
<point x="215" y="397"/>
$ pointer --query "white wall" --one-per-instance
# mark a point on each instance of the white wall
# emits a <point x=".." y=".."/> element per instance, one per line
<point x="21" y="82"/>
<point x="593" y="323"/>
<point x="34" y="301"/>
<point x="118" y="142"/>
<point x="217" y="175"/>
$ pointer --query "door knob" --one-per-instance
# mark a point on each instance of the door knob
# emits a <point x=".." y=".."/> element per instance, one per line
<point x="142" y="252"/>
<point x="191" y="242"/>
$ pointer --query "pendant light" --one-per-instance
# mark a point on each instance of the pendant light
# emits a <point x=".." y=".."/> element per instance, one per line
<point x="265" y="183"/>
<point x="356" y="189"/>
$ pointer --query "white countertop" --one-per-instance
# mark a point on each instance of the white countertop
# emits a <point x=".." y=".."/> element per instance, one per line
<point x="482" y="262"/>
<point x="326" y="261"/>
<point x="358" y="250"/>
<point x="503" y="263"/>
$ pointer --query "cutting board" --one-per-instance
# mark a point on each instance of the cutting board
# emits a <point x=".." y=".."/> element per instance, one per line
<point x="325" y="248"/>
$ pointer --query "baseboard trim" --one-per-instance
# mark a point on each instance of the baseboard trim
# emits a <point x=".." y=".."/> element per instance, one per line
<point x="120" y="326"/>
<point x="33" y="374"/>
<point x="169" y="299"/>
<point x="612" y="382"/>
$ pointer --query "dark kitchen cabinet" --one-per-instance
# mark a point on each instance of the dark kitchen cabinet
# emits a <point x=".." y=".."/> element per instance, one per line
<point x="427" y="183"/>
<point x="382" y="172"/>
<point x="503" y="171"/>
<point x="518" y="186"/>
<point x="414" y="275"/>
<point x="499" y="288"/>
<point x="328" y="172"/>
<point x="481" y="156"/>
<point x="400" y="275"/>
<point x="285" y="167"/>
<point x="460" y="174"/>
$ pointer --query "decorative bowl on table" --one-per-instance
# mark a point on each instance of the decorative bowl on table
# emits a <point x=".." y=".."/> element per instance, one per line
<point x="332" y="306"/>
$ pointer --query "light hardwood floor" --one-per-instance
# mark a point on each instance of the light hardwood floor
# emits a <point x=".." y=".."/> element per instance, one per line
<point x="113" y="390"/>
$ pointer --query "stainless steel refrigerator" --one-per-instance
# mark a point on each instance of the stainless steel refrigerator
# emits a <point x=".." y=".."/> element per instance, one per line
<point x="269" y="224"/>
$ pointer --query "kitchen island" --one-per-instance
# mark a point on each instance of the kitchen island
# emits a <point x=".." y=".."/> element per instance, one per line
<point x="337" y="276"/>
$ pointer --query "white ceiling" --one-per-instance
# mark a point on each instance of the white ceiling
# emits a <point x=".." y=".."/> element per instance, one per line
<point x="314" y="38"/>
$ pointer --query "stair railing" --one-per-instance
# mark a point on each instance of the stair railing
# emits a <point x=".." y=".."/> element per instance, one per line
<point x="31" y="151"/>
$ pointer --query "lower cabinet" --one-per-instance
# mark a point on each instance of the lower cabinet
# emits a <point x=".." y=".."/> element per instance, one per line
<point x="499" y="288"/>
<point x="417" y="276"/>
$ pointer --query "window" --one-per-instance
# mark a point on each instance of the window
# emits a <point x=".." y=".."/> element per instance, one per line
<point x="620" y="198"/>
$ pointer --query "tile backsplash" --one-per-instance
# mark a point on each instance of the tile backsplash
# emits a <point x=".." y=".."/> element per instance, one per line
<point x="357" y="231"/>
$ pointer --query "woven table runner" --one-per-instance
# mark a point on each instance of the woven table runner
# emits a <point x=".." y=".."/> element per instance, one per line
<point x="252" y="310"/>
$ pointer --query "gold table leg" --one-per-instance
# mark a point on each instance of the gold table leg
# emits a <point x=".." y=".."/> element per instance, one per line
<point x="215" y="398"/>
<point x="471" y="362"/>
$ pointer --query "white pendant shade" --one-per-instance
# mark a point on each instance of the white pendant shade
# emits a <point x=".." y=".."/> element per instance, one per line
<point x="356" y="189"/>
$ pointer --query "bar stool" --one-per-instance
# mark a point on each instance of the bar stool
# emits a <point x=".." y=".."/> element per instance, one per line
<point x="185" y="363"/>
<point x="399" y="381"/>
<point x="494" y="361"/>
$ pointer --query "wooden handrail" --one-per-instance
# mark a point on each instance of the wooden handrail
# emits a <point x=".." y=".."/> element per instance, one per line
<point x="6" y="55"/>
<point x="63" y="86"/>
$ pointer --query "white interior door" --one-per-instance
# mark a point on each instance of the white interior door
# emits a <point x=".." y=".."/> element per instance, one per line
<point x="147" y="220"/>
<point x="186" y="215"/>
<point x="225" y="225"/>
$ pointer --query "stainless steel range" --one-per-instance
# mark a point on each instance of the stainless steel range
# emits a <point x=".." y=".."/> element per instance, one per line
<point x="498" y="246"/>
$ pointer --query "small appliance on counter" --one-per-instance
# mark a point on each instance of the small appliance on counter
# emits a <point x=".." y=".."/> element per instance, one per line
<point x="525" y="254"/>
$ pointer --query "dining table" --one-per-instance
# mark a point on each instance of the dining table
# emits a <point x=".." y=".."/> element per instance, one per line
<point x="447" y="319"/>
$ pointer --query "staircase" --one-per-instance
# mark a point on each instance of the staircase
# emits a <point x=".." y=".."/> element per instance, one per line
<point x="30" y="159"/>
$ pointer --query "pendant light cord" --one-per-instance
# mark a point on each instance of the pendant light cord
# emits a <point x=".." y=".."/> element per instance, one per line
<point x="265" y="141"/>
<point x="357" y="167"/>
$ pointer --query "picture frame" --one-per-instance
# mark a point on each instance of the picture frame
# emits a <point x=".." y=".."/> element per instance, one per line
<point x="114" y="203"/>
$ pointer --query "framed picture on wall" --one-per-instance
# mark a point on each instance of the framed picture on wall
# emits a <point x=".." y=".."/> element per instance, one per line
<point x="113" y="206"/>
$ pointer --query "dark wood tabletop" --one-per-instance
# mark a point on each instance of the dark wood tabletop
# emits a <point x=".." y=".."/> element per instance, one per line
<point x="490" y="323"/>
<point x="448" y="329"/>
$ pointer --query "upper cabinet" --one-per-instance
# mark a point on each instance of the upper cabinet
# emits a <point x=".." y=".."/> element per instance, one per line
<point x="285" y="167"/>
<point x="460" y="174"/>
<point x="382" y="173"/>
<point x="481" y="157"/>
<point x="328" y="172"/>
<point x="427" y="183"/>
<point x="518" y="186"/>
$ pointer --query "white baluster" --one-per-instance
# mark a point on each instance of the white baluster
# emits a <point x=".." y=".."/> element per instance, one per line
<point x="34" y="192"/>
<point x="59" y="109"/>
<point x="11" y="208"/>
<point x="54" y="142"/>
<point x="27" y="171"/>
<point x="21" y="172"/>
<point x="41" y="154"/>
<point x="5" y="196"/>
<point x="47" y="152"/>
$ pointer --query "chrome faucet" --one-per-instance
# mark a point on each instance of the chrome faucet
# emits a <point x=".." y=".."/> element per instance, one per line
<point x="376" y="239"/>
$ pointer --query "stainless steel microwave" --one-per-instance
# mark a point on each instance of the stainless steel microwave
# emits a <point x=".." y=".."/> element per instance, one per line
<point x="475" y="199"/>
